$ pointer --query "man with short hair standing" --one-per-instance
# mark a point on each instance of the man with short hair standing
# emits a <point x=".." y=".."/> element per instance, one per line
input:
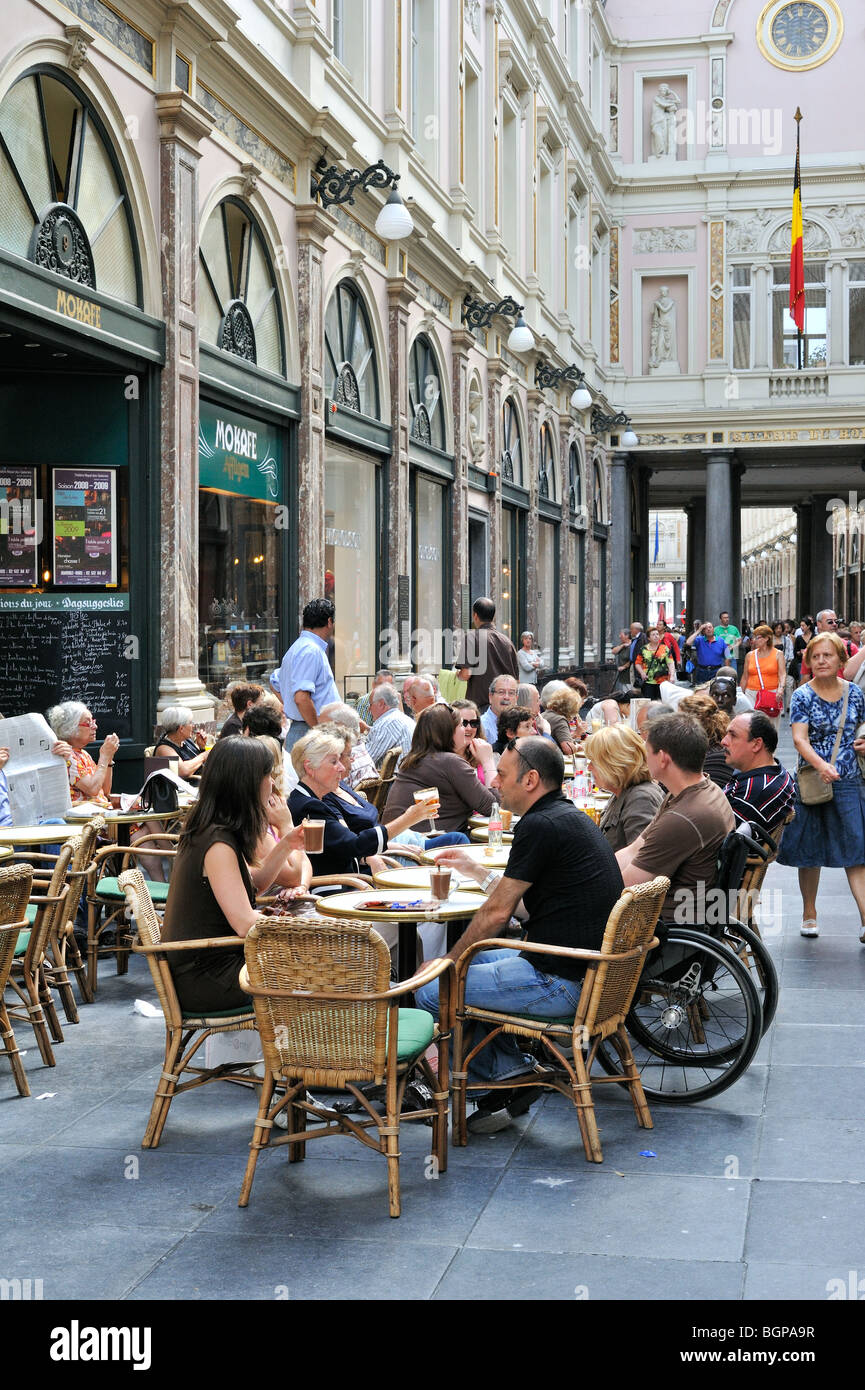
<point x="484" y="654"/>
<point x="503" y="694"/>
<point x="563" y="871"/>
<point x="305" y="680"/>
<point x="730" y="636"/>
<point x="761" y="791"/>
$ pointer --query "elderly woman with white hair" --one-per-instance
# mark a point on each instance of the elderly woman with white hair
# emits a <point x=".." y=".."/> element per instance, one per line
<point x="360" y="763"/>
<point x="317" y="761"/>
<point x="73" y="723"/>
<point x="176" y="740"/>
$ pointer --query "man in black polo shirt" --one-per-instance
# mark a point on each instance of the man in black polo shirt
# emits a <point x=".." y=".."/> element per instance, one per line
<point x="563" y="871"/>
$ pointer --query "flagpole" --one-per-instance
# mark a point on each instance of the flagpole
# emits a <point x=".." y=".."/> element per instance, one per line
<point x="797" y="118"/>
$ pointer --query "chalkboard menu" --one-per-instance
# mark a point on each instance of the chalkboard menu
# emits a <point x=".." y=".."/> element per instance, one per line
<point x="74" y="654"/>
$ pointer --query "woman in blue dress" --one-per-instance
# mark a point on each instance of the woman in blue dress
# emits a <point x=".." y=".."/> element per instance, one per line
<point x="831" y="835"/>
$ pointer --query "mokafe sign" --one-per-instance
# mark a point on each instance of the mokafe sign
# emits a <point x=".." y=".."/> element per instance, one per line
<point x="238" y="455"/>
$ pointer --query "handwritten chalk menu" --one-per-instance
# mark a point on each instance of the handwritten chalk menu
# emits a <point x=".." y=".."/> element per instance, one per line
<point x="48" y="655"/>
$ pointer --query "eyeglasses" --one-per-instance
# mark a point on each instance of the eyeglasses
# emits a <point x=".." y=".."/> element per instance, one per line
<point x="831" y="622"/>
<point x="471" y="723"/>
<point x="85" y="723"/>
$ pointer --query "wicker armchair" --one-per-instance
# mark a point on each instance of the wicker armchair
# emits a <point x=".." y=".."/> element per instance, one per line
<point x="15" y="884"/>
<point x="389" y="762"/>
<point x="611" y="979"/>
<point x="28" y="976"/>
<point x="327" y="1017"/>
<point x="184" y="1032"/>
<point x="106" y="904"/>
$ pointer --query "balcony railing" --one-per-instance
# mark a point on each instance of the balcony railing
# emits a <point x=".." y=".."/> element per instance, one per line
<point x="794" y="385"/>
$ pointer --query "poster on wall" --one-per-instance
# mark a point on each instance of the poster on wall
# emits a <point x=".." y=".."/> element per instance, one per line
<point x="85" y="529"/>
<point x="18" y="527"/>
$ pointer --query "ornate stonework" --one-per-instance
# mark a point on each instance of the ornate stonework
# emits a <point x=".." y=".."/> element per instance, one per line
<point x="746" y="233"/>
<point x="814" y="237"/>
<point x="849" y="225"/>
<point x="473" y="16"/>
<point x="655" y="240"/>
<point x="112" y="26"/>
<point x="80" y="40"/>
<point x="716" y="291"/>
<point x="236" y="333"/>
<point x="720" y="13"/>
<point x="614" y="295"/>
<point x="59" y="243"/>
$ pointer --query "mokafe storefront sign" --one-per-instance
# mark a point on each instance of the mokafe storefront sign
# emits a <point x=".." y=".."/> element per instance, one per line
<point x="238" y="455"/>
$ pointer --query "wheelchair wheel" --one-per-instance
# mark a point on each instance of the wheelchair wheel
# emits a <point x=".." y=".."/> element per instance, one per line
<point x="752" y="951"/>
<point x="695" y="1022"/>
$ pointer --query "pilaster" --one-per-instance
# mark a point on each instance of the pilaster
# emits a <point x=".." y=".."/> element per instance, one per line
<point x="401" y="294"/>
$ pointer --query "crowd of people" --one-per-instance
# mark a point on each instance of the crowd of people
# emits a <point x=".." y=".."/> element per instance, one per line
<point x="682" y="760"/>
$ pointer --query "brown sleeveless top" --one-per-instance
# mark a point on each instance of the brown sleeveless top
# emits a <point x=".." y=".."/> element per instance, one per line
<point x="192" y="912"/>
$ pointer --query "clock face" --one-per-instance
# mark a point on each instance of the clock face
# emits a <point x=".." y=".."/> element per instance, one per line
<point x="800" y="30"/>
<point x="799" y="34"/>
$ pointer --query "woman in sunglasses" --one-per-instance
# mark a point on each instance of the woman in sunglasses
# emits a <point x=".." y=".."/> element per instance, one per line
<point x="469" y="739"/>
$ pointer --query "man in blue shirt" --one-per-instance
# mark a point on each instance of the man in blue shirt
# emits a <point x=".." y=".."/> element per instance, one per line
<point x="305" y="680"/>
<point x="711" y="652"/>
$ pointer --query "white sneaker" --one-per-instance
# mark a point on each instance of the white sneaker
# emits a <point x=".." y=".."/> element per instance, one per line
<point x="809" y="928"/>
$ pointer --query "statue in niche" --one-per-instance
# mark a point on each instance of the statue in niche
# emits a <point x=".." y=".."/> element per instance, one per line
<point x="476" y="440"/>
<point x="663" y="344"/>
<point x="663" y="123"/>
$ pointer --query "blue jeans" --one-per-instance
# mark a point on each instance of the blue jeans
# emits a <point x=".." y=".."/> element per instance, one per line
<point x="506" y="981"/>
<point x="419" y="841"/>
<point x="297" y="729"/>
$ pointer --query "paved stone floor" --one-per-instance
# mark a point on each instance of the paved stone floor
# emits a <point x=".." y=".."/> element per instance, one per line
<point x="522" y="1212"/>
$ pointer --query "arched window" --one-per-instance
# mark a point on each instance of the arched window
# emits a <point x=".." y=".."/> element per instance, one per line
<point x="425" y="395"/>
<point x="512" y="445"/>
<point x="351" y="364"/>
<point x="63" y="203"/>
<point x="599" y="500"/>
<point x="238" y="302"/>
<point x="547" y="465"/>
<point x="575" y="479"/>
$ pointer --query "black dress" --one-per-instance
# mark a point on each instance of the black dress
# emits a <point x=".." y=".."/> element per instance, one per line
<point x="206" y="981"/>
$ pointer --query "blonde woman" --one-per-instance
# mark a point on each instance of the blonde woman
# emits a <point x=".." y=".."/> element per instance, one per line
<point x="618" y="758"/>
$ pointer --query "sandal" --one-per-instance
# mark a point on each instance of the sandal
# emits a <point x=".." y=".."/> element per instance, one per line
<point x="809" y="928"/>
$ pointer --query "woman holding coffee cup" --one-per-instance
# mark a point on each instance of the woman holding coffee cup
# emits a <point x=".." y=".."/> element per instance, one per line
<point x="322" y="795"/>
<point x="217" y="871"/>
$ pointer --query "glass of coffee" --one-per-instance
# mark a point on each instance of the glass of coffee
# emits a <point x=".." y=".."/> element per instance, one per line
<point x="440" y="883"/>
<point x="430" y="794"/>
<point x="313" y="836"/>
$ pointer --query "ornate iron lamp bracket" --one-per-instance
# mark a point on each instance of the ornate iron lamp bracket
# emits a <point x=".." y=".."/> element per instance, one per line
<point x="335" y="185"/>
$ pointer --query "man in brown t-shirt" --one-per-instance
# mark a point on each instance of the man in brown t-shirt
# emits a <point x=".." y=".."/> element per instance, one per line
<point x="484" y="654"/>
<point x="683" y="840"/>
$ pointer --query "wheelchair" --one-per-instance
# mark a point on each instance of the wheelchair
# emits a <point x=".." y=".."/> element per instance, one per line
<point x="708" y="991"/>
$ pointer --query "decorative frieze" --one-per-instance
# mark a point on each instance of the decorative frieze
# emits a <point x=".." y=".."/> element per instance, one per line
<point x="118" y="30"/>
<point x="429" y="292"/>
<point x="247" y="139"/>
<point x="374" y="248"/>
<point x="657" y="240"/>
<point x="716" y="291"/>
<point x="614" y="296"/>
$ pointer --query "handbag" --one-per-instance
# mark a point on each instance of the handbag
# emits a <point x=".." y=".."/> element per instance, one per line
<point x="767" y="701"/>
<point x="159" y="794"/>
<point x="813" y="791"/>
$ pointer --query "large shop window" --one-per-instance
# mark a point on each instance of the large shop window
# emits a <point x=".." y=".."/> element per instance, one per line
<point x="784" y="331"/>
<point x="428" y="515"/>
<point x="351" y="556"/>
<point x="547" y="579"/>
<point x="239" y="538"/>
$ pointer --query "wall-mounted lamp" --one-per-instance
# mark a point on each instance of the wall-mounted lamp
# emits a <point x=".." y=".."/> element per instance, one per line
<point x="547" y="376"/>
<point x="601" y="422"/>
<point x="477" y="314"/>
<point x="331" y="184"/>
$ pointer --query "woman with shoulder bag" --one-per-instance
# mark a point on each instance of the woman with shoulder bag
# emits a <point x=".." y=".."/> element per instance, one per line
<point x="765" y="673"/>
<point x="829" y="827"/>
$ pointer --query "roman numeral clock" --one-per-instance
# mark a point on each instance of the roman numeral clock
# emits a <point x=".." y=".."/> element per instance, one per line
<point x="799" y="34"/>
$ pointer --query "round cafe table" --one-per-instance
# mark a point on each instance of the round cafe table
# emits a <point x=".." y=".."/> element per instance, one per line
<point x="417" y="907"/>
<point x="492" y="858"/>
<point x="118" y="823"/>
<point x="20" y="835"/>
<point x="482" y="834"/>
<point x="6" y="852"/>
<point x="418" y="879"/>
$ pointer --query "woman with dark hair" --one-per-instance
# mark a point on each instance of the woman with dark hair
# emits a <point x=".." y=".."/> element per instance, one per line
<point x="215" y="876"/>
<point x="513" y="723"/>
<point x="469" y="739"/>
<point x="714" y="722"/>
<point x="807" y="628"/>
<point x="432" y="762"/>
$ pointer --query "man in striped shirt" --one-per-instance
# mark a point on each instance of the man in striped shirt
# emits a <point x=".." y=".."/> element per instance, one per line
<point x="761" y="791"/>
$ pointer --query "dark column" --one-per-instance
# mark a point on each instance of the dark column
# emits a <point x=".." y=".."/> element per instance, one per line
<point x="822" y="586"/>
<point x="646" y="548"/>
<point x="736" y="595"/>
<point x="803" y="558"/>
<point x="677" y="600"/>
<point x="620" y="543"/>
<point x="720" y="562"/>
<point x="696" y="600"/>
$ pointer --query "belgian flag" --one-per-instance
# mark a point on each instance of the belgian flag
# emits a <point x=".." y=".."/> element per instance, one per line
<point x="797" y="259"/>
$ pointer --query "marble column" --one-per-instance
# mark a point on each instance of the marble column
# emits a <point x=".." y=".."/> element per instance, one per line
<point x="314" y="226"/>
<point x="720" y="563"/>
<point x="532" y="446"/>
<point x="461" y="344"/>
<point x="620" y="544"/>
<point x="401" y="294"/>
<point x="696" y="591"/>
<point x="183" y="123"/>
<point x="496" y="370"/>
<point x="837" y="318"/>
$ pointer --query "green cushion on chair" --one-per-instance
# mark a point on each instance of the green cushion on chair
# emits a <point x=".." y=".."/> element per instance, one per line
<point x="219" y="1013"/>
<point x="415" y="1029"/>
<point x="30" y="912"/>
<point x="21" y="943"/>
<point x="110" y="888"/>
